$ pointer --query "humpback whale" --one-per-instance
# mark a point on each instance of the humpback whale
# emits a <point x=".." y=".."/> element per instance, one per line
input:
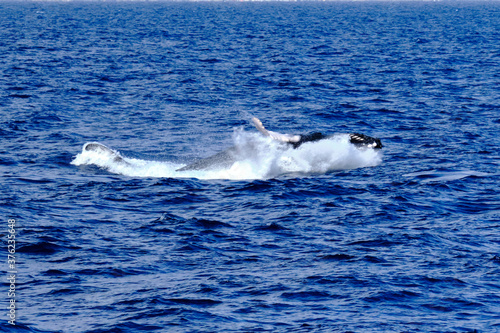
<point x="227" y="158"/>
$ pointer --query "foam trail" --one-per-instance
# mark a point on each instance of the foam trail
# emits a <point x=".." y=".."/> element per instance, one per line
<point x="256" y="157"/>
<point x="123" y="165"/>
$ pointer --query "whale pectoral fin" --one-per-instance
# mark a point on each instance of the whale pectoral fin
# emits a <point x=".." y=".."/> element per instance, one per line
<point x="258" y="124"/>
<point x="287" y="138"/>
<point x="361" y="140"/>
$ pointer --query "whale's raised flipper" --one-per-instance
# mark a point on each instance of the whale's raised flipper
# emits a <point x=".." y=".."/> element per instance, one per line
<point x="102" y="149"/>
<point x="287" y="138"/>
<point x="365" y="141"/>
<point x="223" y="160"/>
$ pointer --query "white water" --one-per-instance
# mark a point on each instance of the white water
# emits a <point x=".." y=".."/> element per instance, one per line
<point x="257" y="158"/>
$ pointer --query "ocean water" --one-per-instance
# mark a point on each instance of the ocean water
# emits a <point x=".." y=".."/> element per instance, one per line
<point x="324" y="238"/>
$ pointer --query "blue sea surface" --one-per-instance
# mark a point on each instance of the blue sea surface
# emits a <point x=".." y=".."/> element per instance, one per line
<point x="323" y="238"/>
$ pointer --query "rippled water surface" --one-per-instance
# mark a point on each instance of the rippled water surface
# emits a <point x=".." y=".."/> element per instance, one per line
<point x="324" y="238"/>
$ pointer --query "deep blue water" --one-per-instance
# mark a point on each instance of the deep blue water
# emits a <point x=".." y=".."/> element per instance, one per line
<point x="325" y="238"/>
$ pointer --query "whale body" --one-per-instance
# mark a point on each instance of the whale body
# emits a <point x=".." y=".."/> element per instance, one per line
<point x="223" y="160"/>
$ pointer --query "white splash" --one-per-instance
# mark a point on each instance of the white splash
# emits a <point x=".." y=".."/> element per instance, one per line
<point x="256" y="157"/>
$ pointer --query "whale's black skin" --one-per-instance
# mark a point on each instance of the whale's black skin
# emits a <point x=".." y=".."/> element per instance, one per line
<point x="357" y="139"/>
<point x="365" y="141"/>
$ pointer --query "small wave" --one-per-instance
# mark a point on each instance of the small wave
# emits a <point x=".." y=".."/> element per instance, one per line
<point x="255" y="157"/>
<point x="446" y="175"/>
